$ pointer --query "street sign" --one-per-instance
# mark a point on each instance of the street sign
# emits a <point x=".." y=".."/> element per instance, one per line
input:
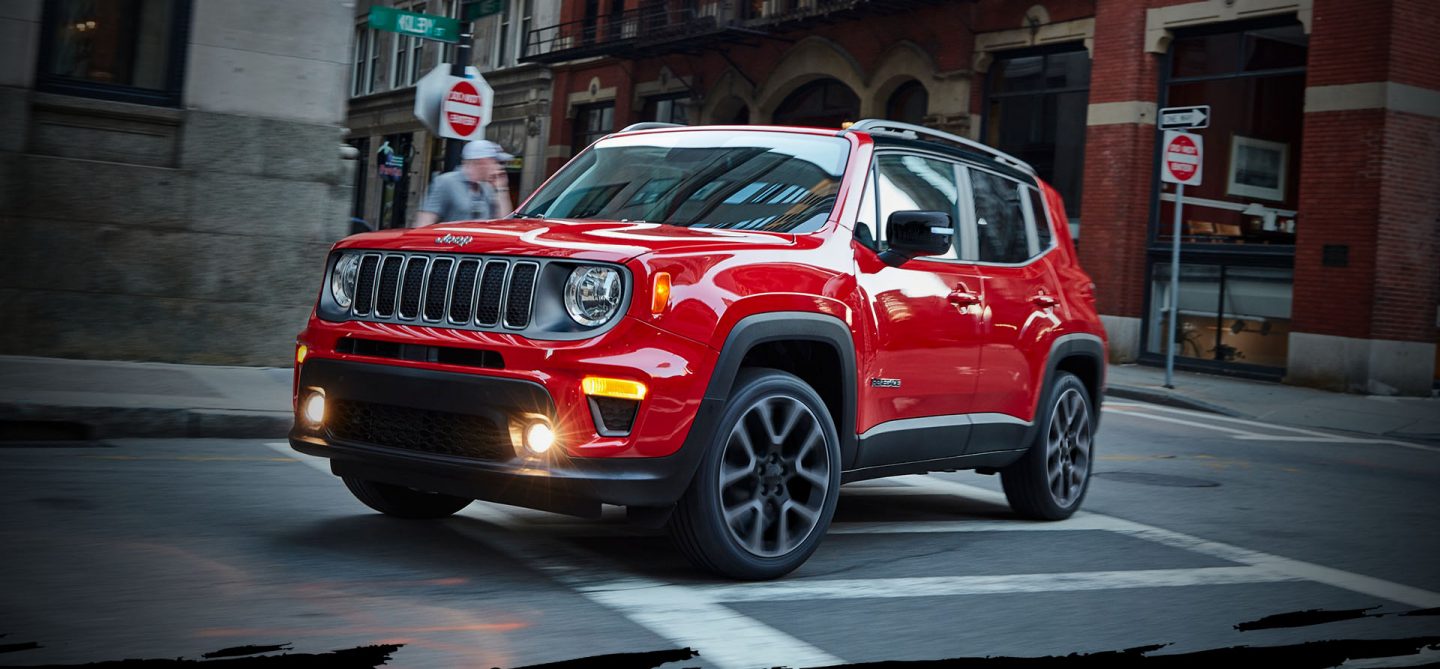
<point x="430" y="93"/>
<point x="427" y="26"/>
<point x="466" y="108"/>
<point x="478" y="8"/>
<point x="1181" y="157"/>
<point x="1184" y="118"/>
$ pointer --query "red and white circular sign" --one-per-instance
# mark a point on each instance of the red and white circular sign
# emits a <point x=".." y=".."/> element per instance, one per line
<point x="463" y="110"/>
<point x="1181" y="158"/>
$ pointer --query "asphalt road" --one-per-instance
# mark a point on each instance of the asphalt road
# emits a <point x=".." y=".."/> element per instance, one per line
<point x="167" y="548"/>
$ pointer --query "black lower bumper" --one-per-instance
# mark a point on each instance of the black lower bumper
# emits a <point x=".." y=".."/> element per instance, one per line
<point x="576" y="486"/>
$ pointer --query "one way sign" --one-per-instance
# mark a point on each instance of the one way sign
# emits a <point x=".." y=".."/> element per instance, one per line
<point x="1185" y="118"/>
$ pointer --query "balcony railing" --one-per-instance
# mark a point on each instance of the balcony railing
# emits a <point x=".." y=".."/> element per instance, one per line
<point x="664" y="27"/>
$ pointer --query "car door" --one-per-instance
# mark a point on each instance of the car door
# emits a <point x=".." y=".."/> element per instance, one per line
<point x="1021" y="297"/>
<point x="923" y="321"/>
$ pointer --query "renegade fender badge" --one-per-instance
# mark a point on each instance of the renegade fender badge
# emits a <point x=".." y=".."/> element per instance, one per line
<point x="884" y="383"/>
<point x="454" y="239"/>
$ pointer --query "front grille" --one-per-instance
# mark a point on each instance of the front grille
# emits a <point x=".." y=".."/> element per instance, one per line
<point x="421" y="430"/>
<point x="461" y="291"/>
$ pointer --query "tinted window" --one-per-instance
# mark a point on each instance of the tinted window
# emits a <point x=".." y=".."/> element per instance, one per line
<point x="912" y="183"/>
<point x="703" y="179"/>
<point x="999" y="218"/>
<point x="1042" y="222"/>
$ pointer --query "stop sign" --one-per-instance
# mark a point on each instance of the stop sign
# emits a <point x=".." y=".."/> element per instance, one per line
<point x="1180" y="158"/>
<point x="462" y="114"/>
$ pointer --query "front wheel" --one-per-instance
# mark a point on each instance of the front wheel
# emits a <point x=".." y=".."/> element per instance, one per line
<point x="767" y="487"/>
<point x="1051" y="479"/>
<point x="394" y="500"/>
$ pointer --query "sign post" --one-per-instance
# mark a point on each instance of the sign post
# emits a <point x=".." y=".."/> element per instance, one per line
<point x="1181" y="156"/>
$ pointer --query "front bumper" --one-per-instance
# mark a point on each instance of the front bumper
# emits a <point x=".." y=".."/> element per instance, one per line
<point x="559" y="482"/>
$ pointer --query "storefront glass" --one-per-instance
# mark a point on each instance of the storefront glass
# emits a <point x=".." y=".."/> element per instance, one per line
<point x="1227" y="313"/>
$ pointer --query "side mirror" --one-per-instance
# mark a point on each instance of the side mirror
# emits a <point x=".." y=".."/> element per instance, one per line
<point x="916" y="233"/>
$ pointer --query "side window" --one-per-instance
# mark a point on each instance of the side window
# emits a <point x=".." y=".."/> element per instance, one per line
<point x="1042" y="222"/>
<point x="910" y="183"/>
<point x="999" y="219"/>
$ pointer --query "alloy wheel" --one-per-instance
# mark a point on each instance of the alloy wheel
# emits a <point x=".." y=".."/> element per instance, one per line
<point x="774" y="476"/>
<point x="1067" y="448"/>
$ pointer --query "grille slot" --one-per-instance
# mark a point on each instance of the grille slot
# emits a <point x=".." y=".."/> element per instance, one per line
<point x="365" y="284"/>
<point x="522" y="286"/>
<point x="492" y="287"/>
<point x="463" y="294"/>
<point x="436" y="288"/>
<point x="389" y="281"/>
<point x="422" y="430"/>
<point x="414" y="286"/>
<point x="470" y="292"/>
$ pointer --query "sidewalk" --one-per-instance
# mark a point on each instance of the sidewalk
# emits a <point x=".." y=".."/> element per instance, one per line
<point x="88" y="399"/>
<point x="104" y="400"/>
<point x="1395" y="417"/>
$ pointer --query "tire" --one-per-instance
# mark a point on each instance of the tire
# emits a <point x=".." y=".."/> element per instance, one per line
<point x="767" y="484"/>
<point x="401" y="502"/>
<point x="1050" y="481"/>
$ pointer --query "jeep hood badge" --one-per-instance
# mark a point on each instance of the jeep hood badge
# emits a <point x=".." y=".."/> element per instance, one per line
<point x="458" y="240"/>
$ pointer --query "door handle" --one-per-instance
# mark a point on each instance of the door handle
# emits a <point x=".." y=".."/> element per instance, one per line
<point x="962" y="297"/>
<point x="1044" y="301"/>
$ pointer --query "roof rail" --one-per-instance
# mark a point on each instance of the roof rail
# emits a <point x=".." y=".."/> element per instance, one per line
<point x="911" y="131"/>
<point x="650" y="125"/>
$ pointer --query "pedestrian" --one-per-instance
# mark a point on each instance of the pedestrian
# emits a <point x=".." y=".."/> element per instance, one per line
<point x="476" y="190"/>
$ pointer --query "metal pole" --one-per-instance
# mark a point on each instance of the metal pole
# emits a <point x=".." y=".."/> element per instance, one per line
<point x="453" y="147"/>
<point x="1174" y="288"/>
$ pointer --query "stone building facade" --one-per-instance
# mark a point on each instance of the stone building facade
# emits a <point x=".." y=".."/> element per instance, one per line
<point x="172" y="175"/>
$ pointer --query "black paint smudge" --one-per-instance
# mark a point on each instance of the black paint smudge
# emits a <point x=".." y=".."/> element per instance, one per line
<point x="648" y="660"/>
<point x="12" y="647"/>
<point x="1307" y="618"/>
<point x="1423" y="612"/>
<point x="237" y="651"/>
<point x="363" y="657"/>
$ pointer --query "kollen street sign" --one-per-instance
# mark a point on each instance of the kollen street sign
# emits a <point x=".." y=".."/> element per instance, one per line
<point x="427" y="26"/>
<point x="1182" y="118"/>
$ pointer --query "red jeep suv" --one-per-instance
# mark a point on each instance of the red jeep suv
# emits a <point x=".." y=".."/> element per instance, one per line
<point x="716" y="327"/>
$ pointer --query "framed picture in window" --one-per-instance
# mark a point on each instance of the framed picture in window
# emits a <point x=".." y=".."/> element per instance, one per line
<point x="1257" y="168"/>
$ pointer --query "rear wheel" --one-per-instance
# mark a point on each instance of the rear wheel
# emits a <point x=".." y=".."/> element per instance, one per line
<point x="401" y="502"/>
<point x="1050" y="481"/>
<point x="766" y="489"/>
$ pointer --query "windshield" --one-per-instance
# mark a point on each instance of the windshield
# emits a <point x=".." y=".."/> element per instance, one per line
<point x="701" y="179"/>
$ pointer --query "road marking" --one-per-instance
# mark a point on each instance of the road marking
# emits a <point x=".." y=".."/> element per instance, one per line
<point x="958" y="586"/>
<point x="723" y="637"/>
<point x="1075" y="524"/>
<point x="1126" y="408"/>
<point x="1366" y="585"/>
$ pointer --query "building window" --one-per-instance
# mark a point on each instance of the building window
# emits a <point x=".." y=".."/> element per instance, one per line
<point x="591" y="123"/>
<point x="503" y="57"/>
<point x="362" y="76"/>
<point x="908" y="103"/>
<point x="400" y="61"/>
<point x="129" y="50"/>
<point x="1254" y="81"/>
<point x="1227" y="313"/>
<point x="416" y="46"/>
<point x="1036" y="105"/>
<point x="825" y="103"/>
<point x="668" y="109"/>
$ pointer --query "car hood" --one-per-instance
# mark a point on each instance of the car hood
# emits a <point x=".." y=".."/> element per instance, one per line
<point x="610" y="241"/>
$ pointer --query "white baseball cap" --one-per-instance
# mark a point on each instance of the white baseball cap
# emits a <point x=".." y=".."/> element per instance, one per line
<point x="482" y="148"/>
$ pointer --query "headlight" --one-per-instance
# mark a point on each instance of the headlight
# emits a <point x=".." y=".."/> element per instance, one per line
<point x="593" y="294"/>
<point x="343" y="279"/>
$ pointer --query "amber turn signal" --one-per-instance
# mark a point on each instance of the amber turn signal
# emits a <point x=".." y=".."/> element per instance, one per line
<point x="660" y="294"/>
<point x="600" y="386"/>
<point x="300" y="352"/>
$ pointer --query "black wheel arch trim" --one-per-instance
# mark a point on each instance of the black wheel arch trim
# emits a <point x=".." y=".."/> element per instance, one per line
<point x="1073" y="345"/>
<point x="758" y="329"/>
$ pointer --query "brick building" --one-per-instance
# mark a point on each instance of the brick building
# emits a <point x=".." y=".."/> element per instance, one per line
<point x="1311" y="252"/>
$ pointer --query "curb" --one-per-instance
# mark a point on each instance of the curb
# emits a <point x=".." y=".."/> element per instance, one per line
<point x="153" y="422"/>
<point x="1169" y="398"/>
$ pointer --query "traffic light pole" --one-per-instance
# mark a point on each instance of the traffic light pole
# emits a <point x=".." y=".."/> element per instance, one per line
<point x="454" y="147"/>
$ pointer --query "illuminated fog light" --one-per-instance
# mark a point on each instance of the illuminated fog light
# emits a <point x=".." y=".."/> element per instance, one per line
<point x="539" y="438"/>
<point x="313" y="408"/>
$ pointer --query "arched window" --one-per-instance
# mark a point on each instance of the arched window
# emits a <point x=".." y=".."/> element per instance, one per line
<point x="908" y="103"/>
<point x="824" y="103"/>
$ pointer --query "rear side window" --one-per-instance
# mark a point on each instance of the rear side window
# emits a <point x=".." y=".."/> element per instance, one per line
<point x="999" y="219"/>
<point x="1042" y="222"/>
<point x="913" y="183"/>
